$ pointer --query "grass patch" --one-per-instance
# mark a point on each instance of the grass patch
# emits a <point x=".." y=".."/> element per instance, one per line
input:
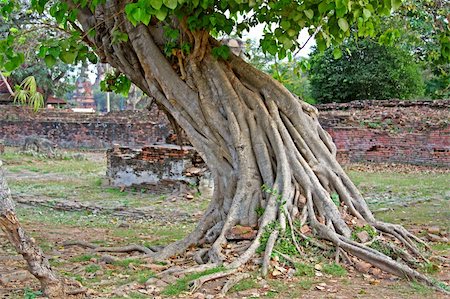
<point x="306" y="284"/>
<point x="302" y="269"/>
<point x="244" y="284"/>
<point x="144" y="275"/>
<point x="126" y="262"/>
<point x="420" y="288"/>
<point x="83" y="258"/>
<point x="440" y="246"/>
<point x="430" y="268"/>
<point x="334" y="269"/>
<point x="92" y="268"/>
<point x="182" y="285"/>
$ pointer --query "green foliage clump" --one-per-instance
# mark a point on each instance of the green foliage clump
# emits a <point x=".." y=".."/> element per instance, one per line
<point x="334" y="269"/>
<point x="383" y="248"/>
<point x="365" y="71"/>
<point x="302" y="269"/>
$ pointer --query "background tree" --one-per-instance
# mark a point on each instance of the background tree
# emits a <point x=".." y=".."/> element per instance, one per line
<point x="289" y="71"/>
<point x="53" y="78"/>
<point x="422" y="28"/>
<point x="249" y="128"/>
<point x="365" y="71"/>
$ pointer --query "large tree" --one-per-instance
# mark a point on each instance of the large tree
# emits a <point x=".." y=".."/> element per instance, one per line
<point x="271" y="160"/>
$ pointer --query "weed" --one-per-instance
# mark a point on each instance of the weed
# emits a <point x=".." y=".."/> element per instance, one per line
<point x="306" y="284"/>
<point x="334" y="269"/>
<point x="369" y="229"/>
<point x="244" y="284"/>
<point x="335" y="199"/>
<point x="92" y="268"/>
<point x="441" y="246"/>
<point x="182" y="285"/>
<point x="302" y="269"/>
<point x="260" y="211"/>
<point x="29" y="294"/>
<point x="126" y="262"/>
<point x="430" y="268"/>
<point x="420" y="288"/>
<point x="144" y="275"/>
<point x="83" y="258"/>
<point x="383" y="248"/>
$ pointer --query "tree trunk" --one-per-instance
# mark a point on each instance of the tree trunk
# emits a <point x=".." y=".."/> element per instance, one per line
<point x="38" y="264"/>
<point x="265" y="147"/>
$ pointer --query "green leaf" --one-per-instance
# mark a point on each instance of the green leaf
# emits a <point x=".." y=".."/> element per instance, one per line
<point x="367" y="14"/>
<point x="156" y="4"/>
<point x="309" y="13"/>
<point x="172" y="4"/>
<point x="337" y="53"/>
<point x="68" y="56"/>
<point x="161" y="14"/>
<point x="138" y="13"/>
<point x="343" y="24"/>
<point x="396" y="4"/>
<point x="50" y="60"/>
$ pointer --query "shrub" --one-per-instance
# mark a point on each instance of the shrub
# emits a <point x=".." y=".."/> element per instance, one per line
<point x="365" y="71"/>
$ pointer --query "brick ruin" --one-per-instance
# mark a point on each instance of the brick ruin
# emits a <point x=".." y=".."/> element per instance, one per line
<point x="160" y="168"/>
<point x="83" y="130"/>
<point x="410" y="132"/>
<point x="379" y="131"/>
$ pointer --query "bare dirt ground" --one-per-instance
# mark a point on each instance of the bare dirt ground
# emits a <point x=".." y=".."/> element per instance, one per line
<point x="73" y="203"/>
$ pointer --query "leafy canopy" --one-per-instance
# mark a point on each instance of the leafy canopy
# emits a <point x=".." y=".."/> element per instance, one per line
<point x="331" y="21"/>
<point x="283" y="20"/>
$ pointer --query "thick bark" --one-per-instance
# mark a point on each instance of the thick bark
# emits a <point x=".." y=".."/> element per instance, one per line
<point x="252" y="132"/>
<point x="37" y="263"/>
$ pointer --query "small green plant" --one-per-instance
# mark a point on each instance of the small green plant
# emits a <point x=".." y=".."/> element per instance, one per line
<point x="383" y="248"/>
<point x="29" y="294"/>
<point x="369" y="229"/>
<point x="260" y="211"/>
<point x="335" y="199"/>
<point x="126" y="262"/>
<point x="182" y="285"/>
<point x="302" y="269"/>
<point x="430" y="268"/>
<point x="83" y="258"/>
<point x="98" y="182"/>
<point x="244" y="284"/>
<point x="420" y="288"/>
<point x="334" y="269"/>
<point x="306" y="284"/>
<point x="144" y="275"/>
<point x="92" y="268"/>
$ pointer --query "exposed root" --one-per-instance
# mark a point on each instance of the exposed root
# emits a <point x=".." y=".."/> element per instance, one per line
<point x="268" y="252"/>
<point x="199" y="256"/>
<point x="197" y="283"/>
<point x="77" y="292"/>
<point x="95" y="248"/>
<point x="285" y="256"/>
<point x="233" y="281"/>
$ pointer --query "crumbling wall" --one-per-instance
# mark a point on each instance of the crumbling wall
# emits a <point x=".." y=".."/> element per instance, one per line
<point x="161" y="167"/>
<point x="83" y="130"/>
<point x="415" y="132"/>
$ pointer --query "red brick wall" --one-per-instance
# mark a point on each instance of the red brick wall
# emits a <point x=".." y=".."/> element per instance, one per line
<point x="83" y="130"/>
<point x="381" y="131"/>
<point x="362" y="144"/>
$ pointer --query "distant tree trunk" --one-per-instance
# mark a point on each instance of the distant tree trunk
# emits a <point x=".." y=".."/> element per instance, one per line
<point x="38" y="264"/>
<point x="265" y="147"/>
